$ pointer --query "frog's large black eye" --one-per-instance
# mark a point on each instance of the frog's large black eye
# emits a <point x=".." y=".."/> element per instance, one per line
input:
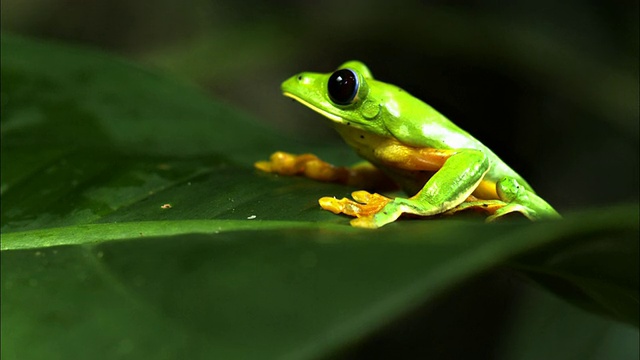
<point x="343" y="86"/>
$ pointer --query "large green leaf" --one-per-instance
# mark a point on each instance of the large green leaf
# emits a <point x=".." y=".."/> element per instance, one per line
<point x="243" y="264"/>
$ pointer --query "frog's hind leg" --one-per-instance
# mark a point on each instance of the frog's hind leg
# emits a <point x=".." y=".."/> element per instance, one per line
<point x="449" y="187"/>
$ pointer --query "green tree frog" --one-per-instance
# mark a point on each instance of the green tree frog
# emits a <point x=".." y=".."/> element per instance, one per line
<point x="406" y="141"/>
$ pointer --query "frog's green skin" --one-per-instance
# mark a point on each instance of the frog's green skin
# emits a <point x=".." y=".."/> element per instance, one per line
<point x="382" y="113"/>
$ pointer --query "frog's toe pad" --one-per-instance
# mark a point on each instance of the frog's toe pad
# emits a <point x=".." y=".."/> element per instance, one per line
<point x="331" y="204"/>
<point x="364" y="222"/>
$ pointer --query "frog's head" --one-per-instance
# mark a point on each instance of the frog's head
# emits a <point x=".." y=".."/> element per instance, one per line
<point x="347" y="96"/>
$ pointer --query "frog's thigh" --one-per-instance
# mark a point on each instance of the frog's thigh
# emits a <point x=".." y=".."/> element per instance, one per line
<point x="450" y="186"/>
<point x="455" y="181"/>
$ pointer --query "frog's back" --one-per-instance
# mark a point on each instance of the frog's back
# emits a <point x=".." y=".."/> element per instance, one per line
<point x="428" y="128"/>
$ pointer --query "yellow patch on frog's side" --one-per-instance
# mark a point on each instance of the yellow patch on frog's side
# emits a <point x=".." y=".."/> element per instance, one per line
<point x="486" y="190"/>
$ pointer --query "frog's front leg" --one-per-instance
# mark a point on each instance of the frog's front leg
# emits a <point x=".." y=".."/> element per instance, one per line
<point x="363" y="175"/>
<point x="458" y="177"/>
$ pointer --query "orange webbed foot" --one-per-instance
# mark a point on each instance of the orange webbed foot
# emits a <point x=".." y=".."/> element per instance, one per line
<point x="365" y="204"/>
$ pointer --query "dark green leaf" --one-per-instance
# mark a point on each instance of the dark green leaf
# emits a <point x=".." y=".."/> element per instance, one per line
<point x="242" y="264"/>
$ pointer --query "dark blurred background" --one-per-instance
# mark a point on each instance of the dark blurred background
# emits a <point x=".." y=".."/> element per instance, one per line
<point x="551" y="86"/>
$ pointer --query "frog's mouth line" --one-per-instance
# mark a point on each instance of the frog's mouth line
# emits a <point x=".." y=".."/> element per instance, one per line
<point x="327" y="114"/>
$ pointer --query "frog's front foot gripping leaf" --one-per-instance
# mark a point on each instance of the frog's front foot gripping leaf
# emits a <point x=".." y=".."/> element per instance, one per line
<point x="365" y="207"/>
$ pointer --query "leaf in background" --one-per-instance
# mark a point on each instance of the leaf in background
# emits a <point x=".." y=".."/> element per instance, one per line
<point x="597" y="271"/>
<point x="243" y="263"/>
<point x="59" y="97"/>
<point x="545" y="327"/>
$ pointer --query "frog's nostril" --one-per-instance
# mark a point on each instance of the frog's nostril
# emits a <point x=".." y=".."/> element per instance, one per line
<point x="299" y="77"/>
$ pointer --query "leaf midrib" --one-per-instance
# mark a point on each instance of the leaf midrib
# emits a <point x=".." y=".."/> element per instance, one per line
<point x="91" y="233"/>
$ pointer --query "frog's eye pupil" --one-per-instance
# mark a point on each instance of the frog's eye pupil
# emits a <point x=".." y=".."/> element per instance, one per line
<point x="343" y="86"/>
